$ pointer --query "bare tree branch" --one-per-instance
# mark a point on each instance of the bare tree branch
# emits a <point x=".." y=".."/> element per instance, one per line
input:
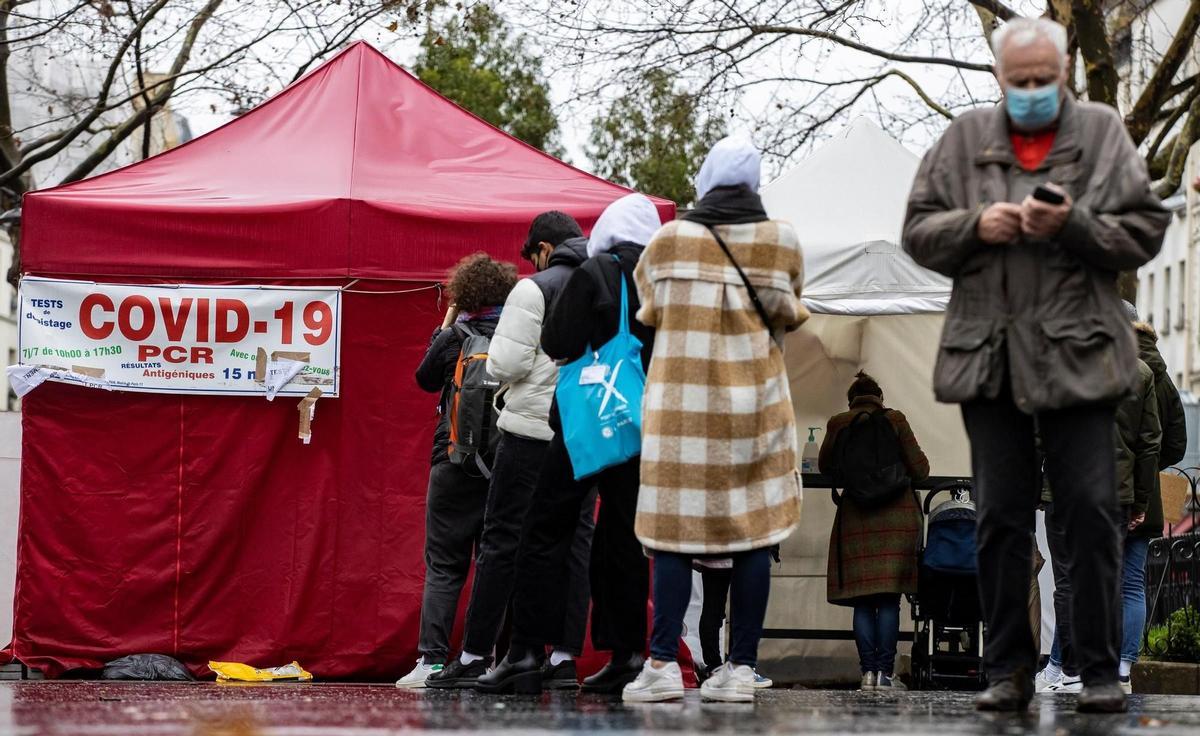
<point x="28" y="162"/>
<point x="1140" y="119"/>
<point x="101" y="152"/>
<point x="996" y="8"/>
<point x="1179" y="152"/>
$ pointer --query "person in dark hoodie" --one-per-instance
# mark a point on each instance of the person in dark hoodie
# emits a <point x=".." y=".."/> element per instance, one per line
<point x="478" y="287"/>
<point x="555" y="247"/>
<point x="586" y="312"/>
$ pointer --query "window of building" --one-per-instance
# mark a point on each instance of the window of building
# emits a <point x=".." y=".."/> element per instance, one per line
<point x="1166" y="322"/>
<point x="1181" y="299"/>
<point x="13" y="403"/>
<point x="1148" y="304"/>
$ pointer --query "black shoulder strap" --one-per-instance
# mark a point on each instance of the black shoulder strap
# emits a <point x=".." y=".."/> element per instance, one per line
<point x="758" y="307"/>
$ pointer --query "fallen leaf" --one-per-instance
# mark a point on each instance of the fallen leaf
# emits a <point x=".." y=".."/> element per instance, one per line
<point x="393" y="26"/>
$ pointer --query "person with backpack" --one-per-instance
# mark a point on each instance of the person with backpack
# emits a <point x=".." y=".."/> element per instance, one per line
<point x="873" y="456"/>
<point x="595" y="309"/>
<point x="454" y="366"/>
<point x="719" y="457"/>
<point x="555" y="247"/>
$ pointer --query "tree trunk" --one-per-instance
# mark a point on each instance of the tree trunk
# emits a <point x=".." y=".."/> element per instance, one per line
<point x="1091" y="33"/>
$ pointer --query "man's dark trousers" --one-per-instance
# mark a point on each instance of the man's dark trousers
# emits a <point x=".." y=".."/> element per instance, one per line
<point x="620" y="574"/>
<point x="1078" y="445"/>
<point x="515" y="474"/>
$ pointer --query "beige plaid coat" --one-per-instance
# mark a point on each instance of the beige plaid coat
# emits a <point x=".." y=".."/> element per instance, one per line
<point x="718" y="431"/>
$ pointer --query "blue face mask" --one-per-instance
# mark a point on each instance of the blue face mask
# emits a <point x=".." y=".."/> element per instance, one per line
<point x="1033" y="109"/>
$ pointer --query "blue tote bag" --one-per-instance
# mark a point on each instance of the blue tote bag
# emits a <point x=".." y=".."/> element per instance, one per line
<point x="600" y="401"/>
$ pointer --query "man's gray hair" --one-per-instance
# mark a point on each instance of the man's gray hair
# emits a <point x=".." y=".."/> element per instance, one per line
<point x="1021" y="32"/>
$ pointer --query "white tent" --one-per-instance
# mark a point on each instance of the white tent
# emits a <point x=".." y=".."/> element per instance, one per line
<point x="874" y="309"/>
<point x="847" y="203"/>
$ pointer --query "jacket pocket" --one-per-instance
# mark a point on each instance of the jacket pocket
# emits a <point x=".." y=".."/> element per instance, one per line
<point x="965" y="358"/>
<point x="1081" y="363"/>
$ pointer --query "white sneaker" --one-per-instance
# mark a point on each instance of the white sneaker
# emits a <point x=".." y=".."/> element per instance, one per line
<point x="869" y="681"/>
<point x="416" y="678"/>
<point x="731" y="683"/>
<point x="655" y="685"/>
<point x="1126" y="685"/>
<point x="1042" y="683"/>
<point x="1066" y="685"/>
<point x="762" y="683"/>
<point x="888" y="682"/>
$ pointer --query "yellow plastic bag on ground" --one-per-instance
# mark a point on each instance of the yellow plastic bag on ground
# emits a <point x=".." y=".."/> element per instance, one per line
<point x="238" y="672"/>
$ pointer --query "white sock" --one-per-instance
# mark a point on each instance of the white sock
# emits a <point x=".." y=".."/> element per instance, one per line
<point x="1126" y="668"/>
<point x="558" y="656"/>
<point x="1053" y="671"/>
<point x="468" y="658"/>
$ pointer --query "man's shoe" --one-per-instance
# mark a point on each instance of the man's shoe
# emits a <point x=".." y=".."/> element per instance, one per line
<point x="613" y="678"/>
<point x="1006" y="696"/>
<point x="1068" y="684"/>
<point x="762" y="683"/>
<point x="1044" y="683"/>
<point x="654" y="685"/>
<point x="1126" y="684"/>
<point x="729" y="683"/>
<point x="459" y="676"/>
<point x="523" y="677"/>
<point x="869" y="681"/>
<point x="1102" y="699"/>
<point x="416" y="678"/>
<point x="563" y="676"/>
<point x="888" y="682"/>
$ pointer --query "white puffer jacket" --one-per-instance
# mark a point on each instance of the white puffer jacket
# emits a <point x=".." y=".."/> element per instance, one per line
<point x="515" y="358"/>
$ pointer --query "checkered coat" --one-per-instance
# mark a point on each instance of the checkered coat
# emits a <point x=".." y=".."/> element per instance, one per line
<point x="718" y="431"/>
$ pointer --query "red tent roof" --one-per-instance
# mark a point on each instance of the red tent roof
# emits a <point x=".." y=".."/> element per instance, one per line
<point x="358" y="170"/>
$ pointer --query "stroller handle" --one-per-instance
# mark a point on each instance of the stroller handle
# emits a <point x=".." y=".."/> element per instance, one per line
<point x="953" y="487"/>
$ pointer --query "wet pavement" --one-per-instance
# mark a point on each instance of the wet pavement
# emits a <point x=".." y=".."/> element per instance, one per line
<point x="141" y="709"/>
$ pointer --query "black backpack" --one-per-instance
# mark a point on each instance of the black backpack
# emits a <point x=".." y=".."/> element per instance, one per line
<point x="473" y="415"/>
<point x="870" y="464"/>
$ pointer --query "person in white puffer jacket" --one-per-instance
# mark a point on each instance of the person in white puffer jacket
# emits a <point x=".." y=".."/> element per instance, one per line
<point x="555" y="247"/>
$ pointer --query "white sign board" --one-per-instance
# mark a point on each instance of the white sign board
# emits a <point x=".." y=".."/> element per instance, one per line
<point x="181" y="338"/>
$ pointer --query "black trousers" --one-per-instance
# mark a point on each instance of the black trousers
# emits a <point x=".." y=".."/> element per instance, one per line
<point x="712" y="613"/>
<point x="515" y="474"/>
<point x="453" y="521"/>
<point x="1056" y="537"/>
<point x="620" y="572"/>
<point x="1078" y="446"/>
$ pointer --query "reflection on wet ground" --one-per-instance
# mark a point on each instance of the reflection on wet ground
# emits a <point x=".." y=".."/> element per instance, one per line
<point x="205" y="709"/>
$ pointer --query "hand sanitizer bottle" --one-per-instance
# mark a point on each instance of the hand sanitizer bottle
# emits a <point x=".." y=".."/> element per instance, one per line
<point x="808" y="461"/>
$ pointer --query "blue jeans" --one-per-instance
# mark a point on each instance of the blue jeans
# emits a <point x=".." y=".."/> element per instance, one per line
<point x="1133" y="596"/>
<point x="877" y="632"/>
<point x="1133" y="601"/>
<point x="748" y="591"/>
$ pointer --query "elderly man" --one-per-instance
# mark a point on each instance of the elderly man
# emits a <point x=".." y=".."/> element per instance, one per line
<point x="1033" y="207"/>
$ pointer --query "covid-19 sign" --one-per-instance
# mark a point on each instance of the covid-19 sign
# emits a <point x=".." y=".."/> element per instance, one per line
<point x="180" y="338"/>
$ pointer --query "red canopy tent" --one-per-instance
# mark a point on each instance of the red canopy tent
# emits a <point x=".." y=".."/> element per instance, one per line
<point x="199" y="526"/>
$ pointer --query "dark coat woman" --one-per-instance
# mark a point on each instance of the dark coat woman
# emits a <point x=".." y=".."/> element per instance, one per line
<point x="873" y="552"/>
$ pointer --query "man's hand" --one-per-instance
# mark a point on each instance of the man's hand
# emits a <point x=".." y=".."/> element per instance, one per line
<point x="1137" y="521"/>
<point x="1043" y="221"/>
<point x="1000" y="223"/>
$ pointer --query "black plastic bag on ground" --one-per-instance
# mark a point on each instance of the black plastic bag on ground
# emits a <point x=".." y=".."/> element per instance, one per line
<point x="146" y="667"/>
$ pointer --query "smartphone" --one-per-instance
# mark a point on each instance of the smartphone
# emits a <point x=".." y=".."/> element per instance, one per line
<point x="1047" y="195"/>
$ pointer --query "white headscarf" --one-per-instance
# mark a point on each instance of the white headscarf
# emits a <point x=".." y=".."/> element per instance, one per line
<point x="632" y="218"/>
<point x="733" y="161"/>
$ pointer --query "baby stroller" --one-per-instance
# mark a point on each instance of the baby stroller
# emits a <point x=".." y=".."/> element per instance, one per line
<point x="948" y="623"/>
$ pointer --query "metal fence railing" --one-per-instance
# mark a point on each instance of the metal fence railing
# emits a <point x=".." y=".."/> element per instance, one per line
<point x="1173" y="573"/>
